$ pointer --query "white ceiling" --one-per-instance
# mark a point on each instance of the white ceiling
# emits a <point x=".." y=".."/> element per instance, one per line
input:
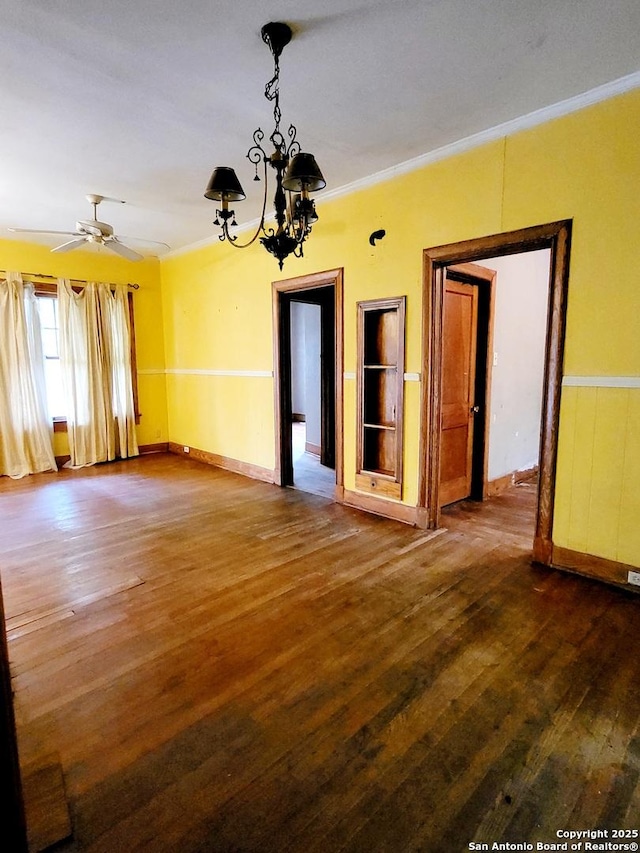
<point x="140" y="100"/>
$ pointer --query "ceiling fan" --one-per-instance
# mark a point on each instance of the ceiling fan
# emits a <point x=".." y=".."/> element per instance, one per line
<point x="94" y="231"/>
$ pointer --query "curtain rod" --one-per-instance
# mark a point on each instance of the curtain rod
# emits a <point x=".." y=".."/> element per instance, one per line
<point x="55" y="278"/>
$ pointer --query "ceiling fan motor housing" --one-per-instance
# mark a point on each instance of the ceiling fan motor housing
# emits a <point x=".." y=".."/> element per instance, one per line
<point x="94" y="227"/>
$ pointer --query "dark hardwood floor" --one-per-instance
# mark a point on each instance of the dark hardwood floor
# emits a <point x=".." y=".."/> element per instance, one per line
<point x="223" y="665"/>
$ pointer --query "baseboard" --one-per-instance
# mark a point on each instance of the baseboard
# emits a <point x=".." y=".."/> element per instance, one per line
<point x="594" y="567"/>
<point x="379" y="506"/>
<point x="313" y="448"/>
<point x="501" y="484"/>
<point x="159" y="447"/>
<point x="247" y="469"/>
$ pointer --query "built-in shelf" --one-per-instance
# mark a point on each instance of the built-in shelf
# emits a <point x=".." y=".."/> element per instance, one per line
<point x="380" y="379"/>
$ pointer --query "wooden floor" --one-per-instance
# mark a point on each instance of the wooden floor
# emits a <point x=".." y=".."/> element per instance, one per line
<point x="223" y="665"/>
<point x="309" y="475"/>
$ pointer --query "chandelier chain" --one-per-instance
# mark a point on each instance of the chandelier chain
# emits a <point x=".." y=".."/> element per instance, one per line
<point x="272" y="93"/>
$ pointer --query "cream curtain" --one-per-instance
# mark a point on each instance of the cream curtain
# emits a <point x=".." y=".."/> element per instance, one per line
<point x="95" y="346"/>
<point x="26" y="443"/>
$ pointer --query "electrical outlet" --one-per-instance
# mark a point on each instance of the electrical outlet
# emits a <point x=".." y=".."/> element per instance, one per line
<point x="634" y="578"/>
<point x="186" y="449"/>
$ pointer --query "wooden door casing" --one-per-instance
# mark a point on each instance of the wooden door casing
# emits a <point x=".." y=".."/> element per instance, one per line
<point x="306" y="284"/>
<point x="557" y="237"/>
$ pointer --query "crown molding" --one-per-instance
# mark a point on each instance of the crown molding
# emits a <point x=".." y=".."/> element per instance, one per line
<point x="507" y="128"/>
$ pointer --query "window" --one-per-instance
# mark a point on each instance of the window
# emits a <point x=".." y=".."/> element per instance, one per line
<point x="48" y="308"/>
<point x="47" y="296"/>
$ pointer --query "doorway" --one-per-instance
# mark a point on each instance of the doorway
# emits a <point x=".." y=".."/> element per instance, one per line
<point x="556" y="237"/>
<point x="490" y="436"/>
<point x="308" y="357"/>
<point x="466" y="381"/>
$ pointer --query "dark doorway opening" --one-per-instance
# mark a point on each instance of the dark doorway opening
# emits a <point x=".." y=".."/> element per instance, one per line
<point x="323" y="294"/>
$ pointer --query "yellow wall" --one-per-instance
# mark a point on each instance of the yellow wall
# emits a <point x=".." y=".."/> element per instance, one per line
<point x="585" y="167"/>
<point x="147" y="305"/>
<point x="217" y="304"/>
<point x="215" y="308"/>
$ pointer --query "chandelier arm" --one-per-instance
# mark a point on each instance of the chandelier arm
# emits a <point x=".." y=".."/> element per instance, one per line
<point x="234" y="240"/>
<point x="293" y="147"/>
<point x="257" y="153"/>
<point x="301" y="232"/>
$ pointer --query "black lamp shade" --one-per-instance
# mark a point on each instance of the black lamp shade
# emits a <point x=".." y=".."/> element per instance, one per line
<point x="304" y="207"/>
<point x="303" y="173"/>
<point x="224" y="183"/>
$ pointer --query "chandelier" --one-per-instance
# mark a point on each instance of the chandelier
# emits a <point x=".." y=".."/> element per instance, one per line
<point x="296" y="175"/>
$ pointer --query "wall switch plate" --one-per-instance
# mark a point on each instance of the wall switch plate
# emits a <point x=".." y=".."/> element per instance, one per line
<point x="186" y="449"/>
<point x="634" y="578"/>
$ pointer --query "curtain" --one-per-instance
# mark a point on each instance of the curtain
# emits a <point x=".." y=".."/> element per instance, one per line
<point x="95" y="361"/>
<point x="26" y="444"/>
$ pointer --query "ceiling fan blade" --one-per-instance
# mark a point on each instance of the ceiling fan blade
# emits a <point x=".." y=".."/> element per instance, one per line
<point x="40" y="231"/>
<point x="69" y="245"/>
<point x="120" y="249"/>
<point x="143" y="240"/>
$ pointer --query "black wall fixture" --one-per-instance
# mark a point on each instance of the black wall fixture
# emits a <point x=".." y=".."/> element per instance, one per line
<point x="376" y="235"/>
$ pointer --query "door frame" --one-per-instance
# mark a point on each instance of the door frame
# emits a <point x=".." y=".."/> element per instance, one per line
<point x="555" y="236"/>
<point x="282" y="365"/>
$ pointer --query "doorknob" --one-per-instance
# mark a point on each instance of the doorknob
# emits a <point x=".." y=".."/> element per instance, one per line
<point x="475" y="409"/>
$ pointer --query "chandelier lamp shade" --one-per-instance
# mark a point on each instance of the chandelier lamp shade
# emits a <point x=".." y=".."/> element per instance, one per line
<point x="297" y="175"/>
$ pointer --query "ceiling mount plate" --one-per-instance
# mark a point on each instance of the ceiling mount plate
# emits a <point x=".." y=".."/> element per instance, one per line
<point x="276" y="35"/>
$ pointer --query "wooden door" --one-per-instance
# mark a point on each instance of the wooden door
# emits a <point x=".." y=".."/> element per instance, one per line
<point x="459" y="334"/>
